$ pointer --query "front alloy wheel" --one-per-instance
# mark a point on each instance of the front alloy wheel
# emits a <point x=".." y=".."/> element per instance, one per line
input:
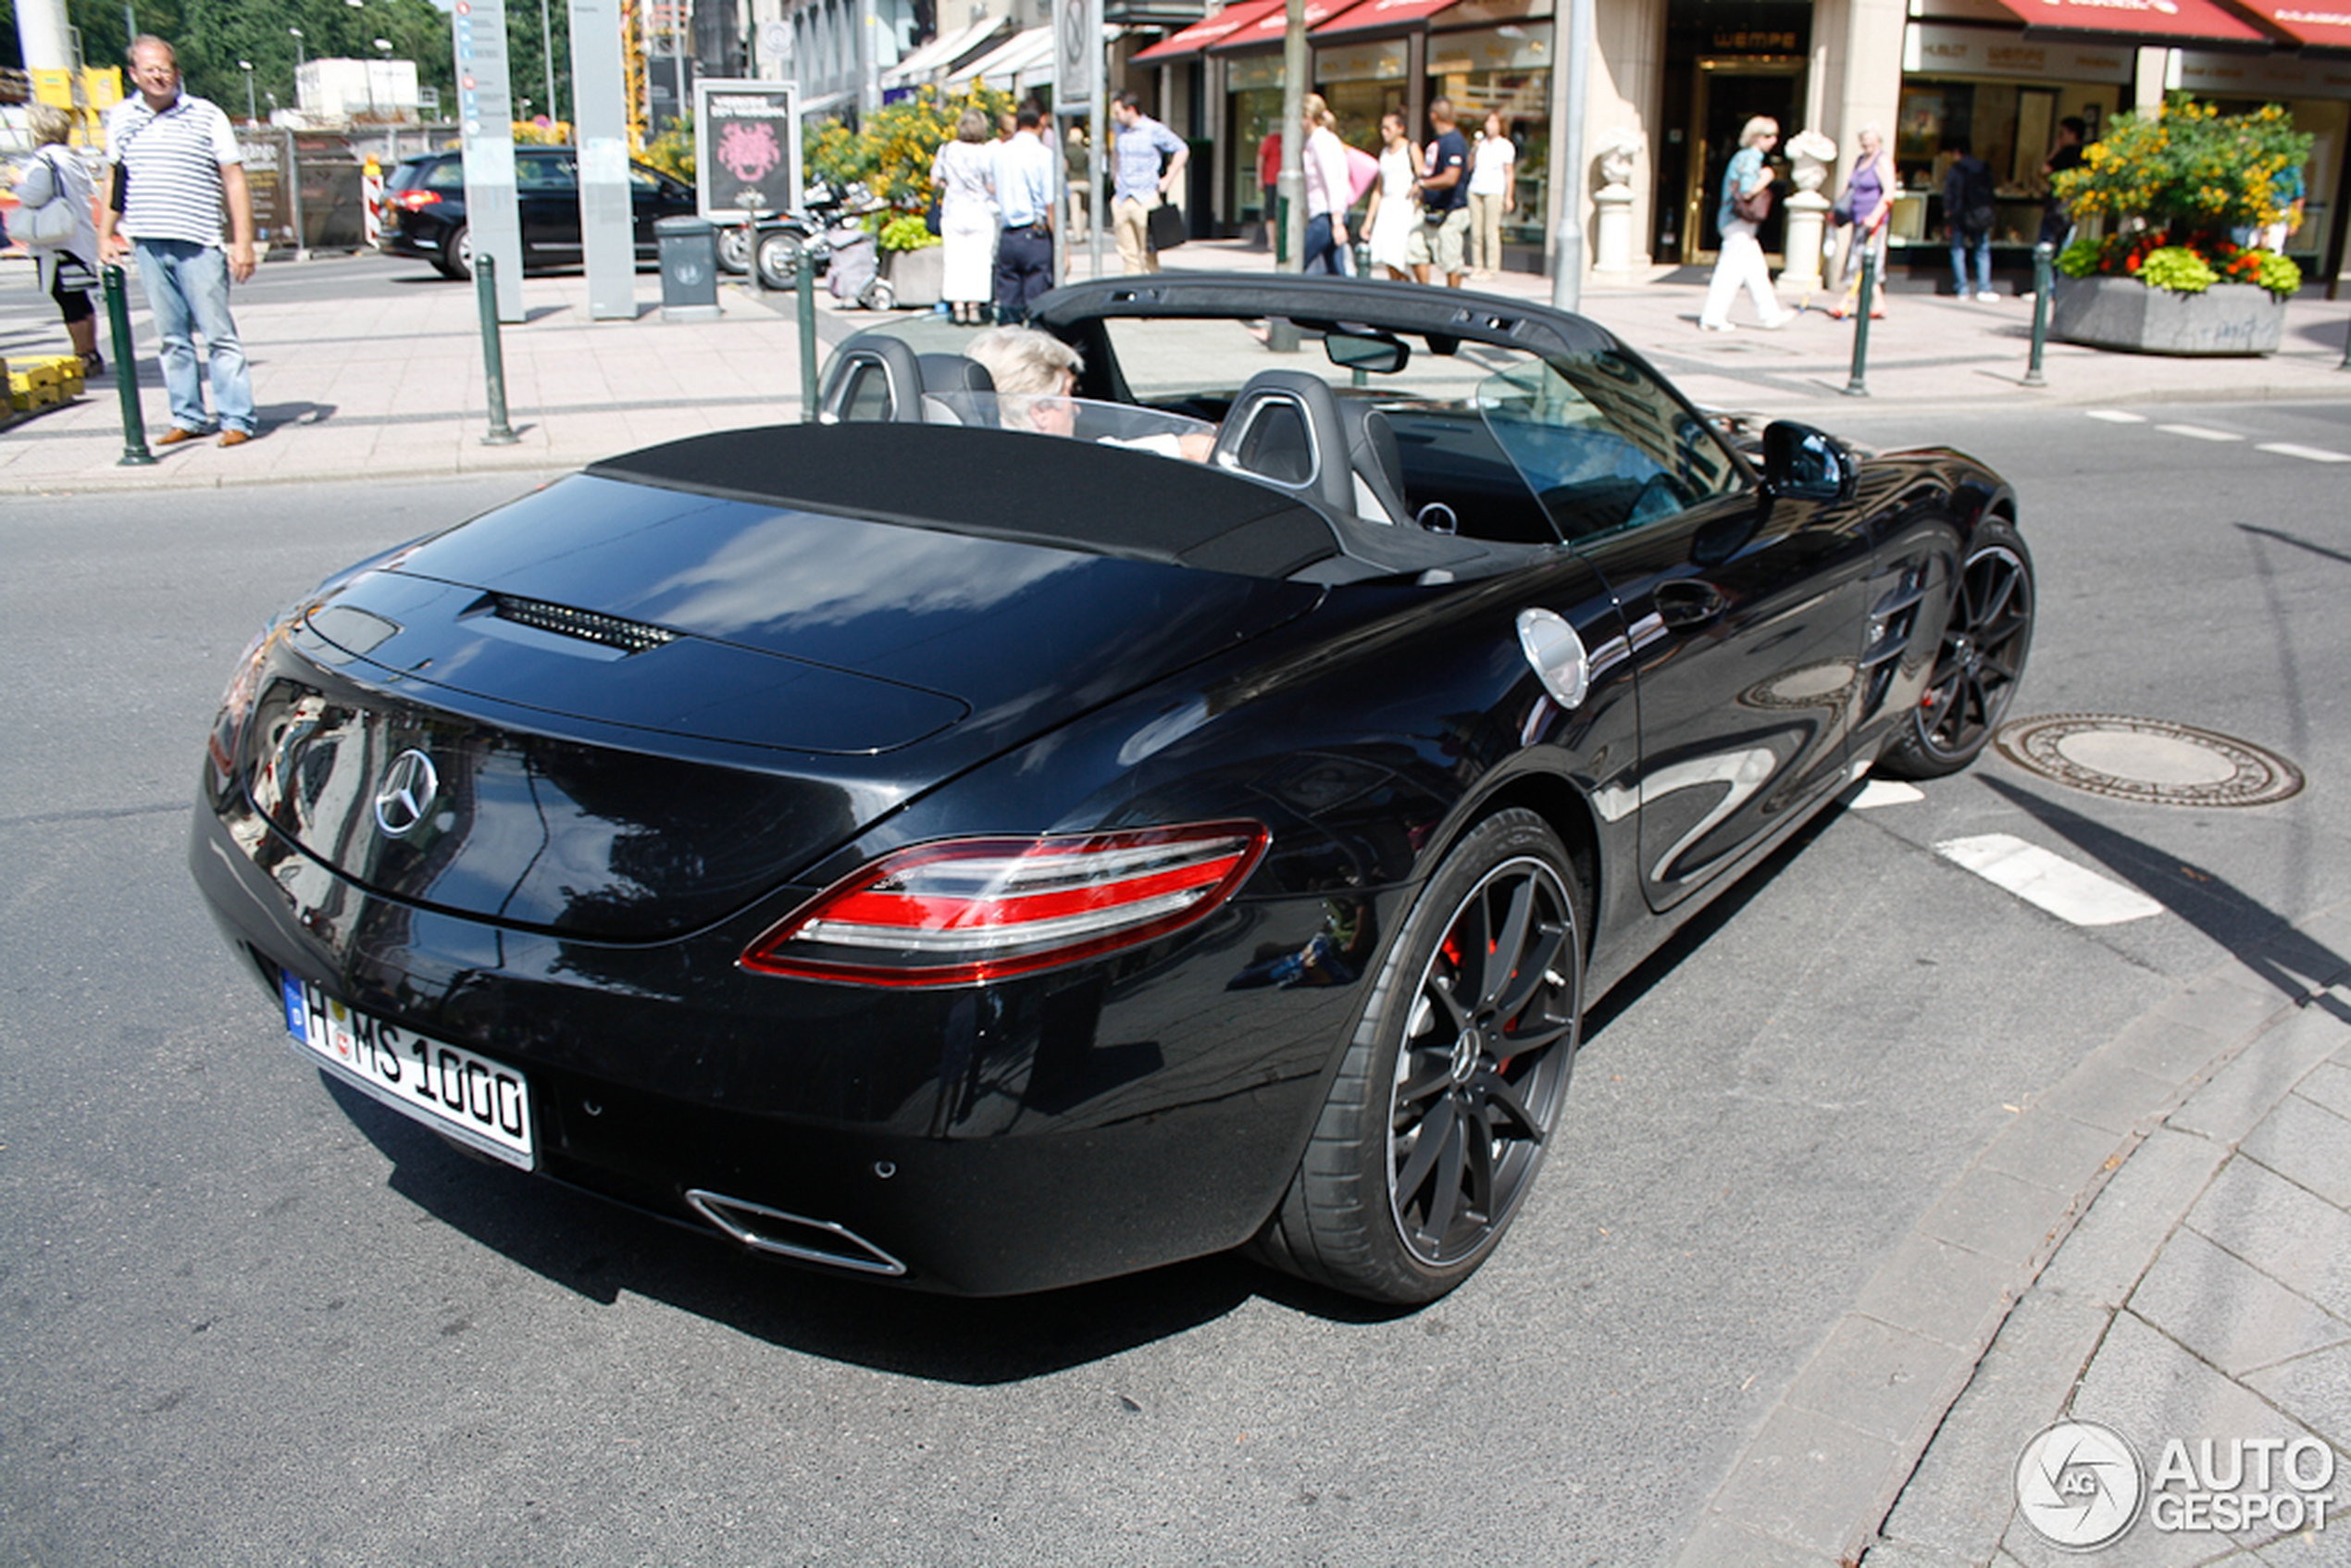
<point x="1450" y="1092"/>
<point x="1979" y="663"/>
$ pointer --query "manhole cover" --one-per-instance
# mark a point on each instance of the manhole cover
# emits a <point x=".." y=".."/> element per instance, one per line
<point x="2148" y="759"/>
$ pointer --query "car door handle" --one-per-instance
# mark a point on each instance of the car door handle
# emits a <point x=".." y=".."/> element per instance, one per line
<point x="1689" y="603"/>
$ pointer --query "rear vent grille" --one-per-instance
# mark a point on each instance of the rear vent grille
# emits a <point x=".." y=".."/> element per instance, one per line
<point x="629" y="637"/>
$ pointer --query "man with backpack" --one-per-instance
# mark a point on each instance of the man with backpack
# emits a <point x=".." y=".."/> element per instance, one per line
<point x="1968" y="214"/>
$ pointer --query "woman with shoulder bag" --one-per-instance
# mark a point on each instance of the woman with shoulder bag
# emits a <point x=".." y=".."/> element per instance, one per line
<point x="1867" y="204"/>
<point x="963" y="174"/>
<point x="56" y="225"/>
<point x="1746" y="201"/>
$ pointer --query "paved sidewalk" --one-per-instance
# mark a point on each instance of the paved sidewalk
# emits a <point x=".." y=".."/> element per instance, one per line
<point x="393" y="386"/>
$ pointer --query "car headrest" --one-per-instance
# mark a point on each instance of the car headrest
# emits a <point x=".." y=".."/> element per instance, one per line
<point x="1284" y="430"/>
<point x="954" y="372"/>
<point x="1377" y="459"/>
<point x="872" y="377"/>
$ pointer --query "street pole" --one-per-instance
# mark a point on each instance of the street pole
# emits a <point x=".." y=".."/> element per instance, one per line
<point x="547" y="56"/>
<point x="1567" y="251"/>
<point x="1858" y="386"/>
<point x="252" y="114"/>
<point x="493" y="357"/>
<point x="1289" y="186"/>
<point x="126" y="374"/>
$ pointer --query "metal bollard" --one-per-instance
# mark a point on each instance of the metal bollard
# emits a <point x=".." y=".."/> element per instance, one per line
<point x="2347" y="348"/>
<point x="126" y="374"/>
<point x="1858" y="386"/>
<point x="493" y="358"/>
<point x="2043" y="254"/>
<point x="804" y="280"/>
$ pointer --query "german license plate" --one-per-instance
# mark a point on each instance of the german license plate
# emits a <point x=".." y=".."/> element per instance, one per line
<point x="481" y="1104"/>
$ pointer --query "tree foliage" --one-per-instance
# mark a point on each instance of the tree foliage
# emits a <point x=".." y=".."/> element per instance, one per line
<point x="211" y="36"/>
<point x="891" y="153"/>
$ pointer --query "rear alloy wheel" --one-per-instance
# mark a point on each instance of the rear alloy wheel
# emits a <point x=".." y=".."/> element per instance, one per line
<point x="1982" y="658"/>
<point x="457" y="252"/>
<point x="1437" y="1124"/>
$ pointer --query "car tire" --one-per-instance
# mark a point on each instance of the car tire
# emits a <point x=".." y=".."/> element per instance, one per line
<point x="1985" y="642"/>
<point x="734" y="249"/>
<point x="457" y="254"/>
<point x="778" y="259"/>
<point x="1432" y="1133"/>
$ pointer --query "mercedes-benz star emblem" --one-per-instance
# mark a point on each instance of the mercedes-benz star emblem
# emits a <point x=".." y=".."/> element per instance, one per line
<point x="405" y="795"/>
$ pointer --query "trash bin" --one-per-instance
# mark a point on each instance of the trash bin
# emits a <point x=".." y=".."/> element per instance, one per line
<point x="688" y="268"/>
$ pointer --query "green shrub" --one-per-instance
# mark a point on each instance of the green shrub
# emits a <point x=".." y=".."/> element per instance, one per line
<point x="2178" y="268"/>
<point x="906" y="233"/>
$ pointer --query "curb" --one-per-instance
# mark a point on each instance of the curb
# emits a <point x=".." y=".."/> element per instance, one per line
<point x="1837" y="1455"/>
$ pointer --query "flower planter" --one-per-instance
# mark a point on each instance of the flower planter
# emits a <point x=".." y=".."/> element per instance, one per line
<point x="916" y="276"/>
<point x="2124" y="312"/>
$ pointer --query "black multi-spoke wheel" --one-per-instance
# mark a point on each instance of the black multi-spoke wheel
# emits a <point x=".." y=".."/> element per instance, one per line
<point x="1451" y="1089"/>
<point x="1977" y="668"/>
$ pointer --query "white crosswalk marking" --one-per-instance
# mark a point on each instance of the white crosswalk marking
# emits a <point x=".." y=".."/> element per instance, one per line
<point x="2310" y="453"/>
<point x="2198" y="432"/>
<point x="1886" y="792"/>
<point x="2072" y="893"/>
<point x="2115" y="417"/>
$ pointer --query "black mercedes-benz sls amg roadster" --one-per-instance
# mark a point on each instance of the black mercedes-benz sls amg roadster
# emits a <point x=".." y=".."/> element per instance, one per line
<point x="992" y="837"/>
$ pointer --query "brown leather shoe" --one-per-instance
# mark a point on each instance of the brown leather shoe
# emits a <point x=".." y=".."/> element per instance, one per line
<point x="235" y="438"/>
<point x="177" y="434"/>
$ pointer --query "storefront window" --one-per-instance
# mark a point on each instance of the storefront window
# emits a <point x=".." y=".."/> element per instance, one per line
<point x="1507" y="70"/>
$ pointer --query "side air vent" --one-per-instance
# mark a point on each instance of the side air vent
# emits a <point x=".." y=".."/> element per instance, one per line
<point x="610" y="631"/>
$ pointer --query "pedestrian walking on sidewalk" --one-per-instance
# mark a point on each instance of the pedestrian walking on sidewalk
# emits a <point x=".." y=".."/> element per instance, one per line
<point x="1493" y="190"/>
<point x="1325" y="165"/>
<point x="1739" y="264"/>
<point x="1866" y="206"/>
<point x="174" y="167"/>
<point x="1441" y="241"/>
<point x="68" y="263"/>
<point x="1968" y="214"/>
<point x="1390" y="220"/>
<point x="1148" y="159"/>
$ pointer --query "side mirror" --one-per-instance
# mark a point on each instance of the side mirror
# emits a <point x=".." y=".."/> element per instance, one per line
<point x="1803" y="463"/>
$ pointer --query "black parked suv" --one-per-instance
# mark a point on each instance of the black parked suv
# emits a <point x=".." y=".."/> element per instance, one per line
<point x="423" y="210"/>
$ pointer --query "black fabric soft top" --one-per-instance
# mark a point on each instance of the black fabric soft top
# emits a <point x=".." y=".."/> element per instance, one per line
<point x="1000" y="484"/>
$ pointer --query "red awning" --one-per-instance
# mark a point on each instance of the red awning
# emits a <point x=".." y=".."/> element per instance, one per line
<point x="1208" y="30"/>
<point x="2326" y="23"/>
<point x="1273" y="25"/>
<point x="1373" y="14"/>
<point x="2151" y="21"/>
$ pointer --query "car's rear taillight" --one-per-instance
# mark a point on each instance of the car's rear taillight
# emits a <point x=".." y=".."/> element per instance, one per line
<point x="412" y="200"/>
<point x="981" y="909"/>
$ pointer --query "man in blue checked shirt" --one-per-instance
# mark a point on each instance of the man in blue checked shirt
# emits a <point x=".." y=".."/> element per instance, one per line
<point x="1141" y="182"/>
<point x="1025" y="196"/>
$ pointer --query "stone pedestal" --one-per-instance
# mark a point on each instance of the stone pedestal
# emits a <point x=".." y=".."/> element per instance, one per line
<point x="916" y="276"/>
<point x="1613" y="249"/>
<point x="1808" y="214"/>
<point x="1806" y="210"/>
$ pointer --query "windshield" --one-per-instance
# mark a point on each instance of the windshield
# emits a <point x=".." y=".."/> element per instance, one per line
<point x="1602" y="445"/>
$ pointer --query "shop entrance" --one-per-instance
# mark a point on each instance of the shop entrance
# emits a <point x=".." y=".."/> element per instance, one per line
<point x="1725" y="94"/>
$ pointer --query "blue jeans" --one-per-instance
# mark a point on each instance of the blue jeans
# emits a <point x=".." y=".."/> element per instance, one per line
<point x="1981" y="244"/>
<point x="1323" y="254"/>
<point x="186" y="287"/>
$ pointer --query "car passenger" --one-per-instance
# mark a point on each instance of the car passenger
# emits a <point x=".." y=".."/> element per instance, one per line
<point x="1036" y="378"/>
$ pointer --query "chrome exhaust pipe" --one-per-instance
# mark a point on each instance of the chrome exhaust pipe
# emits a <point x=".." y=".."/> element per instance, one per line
<point x="792" y="1235"/>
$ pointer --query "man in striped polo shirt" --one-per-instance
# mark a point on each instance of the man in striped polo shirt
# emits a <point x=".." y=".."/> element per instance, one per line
<point x="176" y="166"/>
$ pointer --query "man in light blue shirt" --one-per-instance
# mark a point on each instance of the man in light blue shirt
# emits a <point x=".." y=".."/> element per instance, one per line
<point x="1139" y="182"/>
<point x="1025" y="196"/>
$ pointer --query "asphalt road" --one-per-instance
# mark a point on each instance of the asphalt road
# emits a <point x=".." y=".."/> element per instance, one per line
<point x="254" y="1320"/>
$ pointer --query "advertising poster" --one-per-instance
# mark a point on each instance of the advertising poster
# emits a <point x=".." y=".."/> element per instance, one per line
<point x="746" y="148"/>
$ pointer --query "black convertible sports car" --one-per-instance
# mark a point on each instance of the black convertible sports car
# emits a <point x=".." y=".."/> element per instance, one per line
<point x="921" y="845"/>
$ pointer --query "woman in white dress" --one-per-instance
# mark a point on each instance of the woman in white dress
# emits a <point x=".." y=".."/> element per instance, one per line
<point x="964" y="176"/>
<point x="1389" y="220"/>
